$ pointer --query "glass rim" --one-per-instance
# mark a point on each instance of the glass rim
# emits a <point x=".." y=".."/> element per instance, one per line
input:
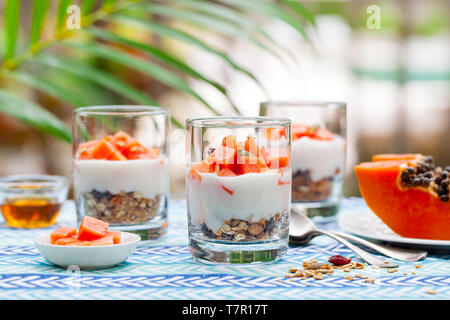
<point x="121" y="110"/>
<point x="243" y="122"/>
<point x="41" y="181"/>
<point x="303" y="103"/>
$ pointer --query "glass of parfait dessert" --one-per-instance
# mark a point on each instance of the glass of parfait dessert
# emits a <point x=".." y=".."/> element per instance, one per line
<point x="238" y="189"/>
<point x="318" y="153"/>
<point x="121" y="167"/>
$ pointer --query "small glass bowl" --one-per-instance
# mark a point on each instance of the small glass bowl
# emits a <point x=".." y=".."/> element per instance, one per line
<point x="32" y="201"/>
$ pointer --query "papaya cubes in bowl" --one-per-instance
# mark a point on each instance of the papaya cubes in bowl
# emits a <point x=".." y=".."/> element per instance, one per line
<point x="92" y="232"/>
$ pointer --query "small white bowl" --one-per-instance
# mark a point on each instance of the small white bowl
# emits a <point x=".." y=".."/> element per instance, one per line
<point x="89" y="257"/>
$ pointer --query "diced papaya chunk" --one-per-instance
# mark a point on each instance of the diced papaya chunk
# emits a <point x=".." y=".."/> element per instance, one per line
<point x="63" y="232"/>
<point x="229" y="142"/>
<point x="79" y="243"/>
<point x="134" y="150"/>
<point x="152" y="153"/>
<point x="250" y="164"/>
<point x="102" y="150"/>
<point x="225" y="172"/>
<point x="201" y="167"/>
<point x="251" y="146"/>
<point x="84" y="149"/>
<point x="224" y="157"/>
<point x="71" y="241"/>
<point x="117" y="237"/>
<point x="122" y="140"/>
<point x="274" y="133"/>
<point x="92" y="229"/>
<point x="313" y="132"/>
<point x="104" y="241"/>
<point x="116" y="156"/>
<point x="279" y="158"/>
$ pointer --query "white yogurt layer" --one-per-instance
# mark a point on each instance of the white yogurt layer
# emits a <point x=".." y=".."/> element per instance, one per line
<point x="322" y="157"/>
<point x="255" y="196"/>
<point x="148" y="176"/>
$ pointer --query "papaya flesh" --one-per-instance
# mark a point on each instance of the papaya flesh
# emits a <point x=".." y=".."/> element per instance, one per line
<point x="410" y="211"/>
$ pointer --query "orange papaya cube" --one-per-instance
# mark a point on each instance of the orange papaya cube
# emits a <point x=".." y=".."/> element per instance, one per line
<point x="71" y="241"/>
<point x="104" y="241"/>
<point x="279" y="158"/>
<point x="300" y="130"/>
<point x="229" y="142"/>
<point x="117" y="237"/>
<point x="79" y="243"/>
<point x="250" y="164"/>
<point x="251" y="146"/>
<point x="102" y="150"/>
<point x="134" y="150"/>
<point x="390" y="156"/>
<point x="225" y="172"/>
<point x="200" y="167"/>
<point x="122" y="140"/>
<point x="265" y="155"/>
<point x="152" y="153"/>
<point x="274" y="133"/>
<point x="224" y="157"/>
<point x="63" y="232"/>
<point x="92" y="229"/>
<point x="116" y="156"/>
<point x="84" y="149"/>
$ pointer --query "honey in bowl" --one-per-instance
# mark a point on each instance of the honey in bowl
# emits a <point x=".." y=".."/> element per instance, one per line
<point x="30" y="213"/>
<point x="32" y="201"/>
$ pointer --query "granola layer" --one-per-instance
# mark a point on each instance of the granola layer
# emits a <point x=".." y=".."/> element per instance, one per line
<point x="120" y="208"/>
<point x="305" y="189"/>
<point x="238" y="230"/>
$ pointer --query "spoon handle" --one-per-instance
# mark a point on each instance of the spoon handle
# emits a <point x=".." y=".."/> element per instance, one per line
<point x="402" y="254"/>
<point x="366" y="256"/>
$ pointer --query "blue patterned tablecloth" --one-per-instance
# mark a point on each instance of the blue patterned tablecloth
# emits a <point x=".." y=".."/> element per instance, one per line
<point x="164" y="269"/>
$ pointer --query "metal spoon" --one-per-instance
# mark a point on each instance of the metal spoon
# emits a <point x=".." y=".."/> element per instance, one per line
<point x="302" y="230"/>
<point x="402" y="254"/>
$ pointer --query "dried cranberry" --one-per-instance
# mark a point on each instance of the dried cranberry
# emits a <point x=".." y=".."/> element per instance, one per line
<point x="339" y="260"/>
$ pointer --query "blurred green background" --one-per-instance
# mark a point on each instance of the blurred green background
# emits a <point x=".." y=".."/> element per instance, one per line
<point x="199" y="57"/>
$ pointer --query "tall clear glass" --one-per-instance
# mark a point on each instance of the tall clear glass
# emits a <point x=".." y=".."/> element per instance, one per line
<point x="121" y="167"/>
<point x="318" y="153"/>
<point x="238" y="188"/>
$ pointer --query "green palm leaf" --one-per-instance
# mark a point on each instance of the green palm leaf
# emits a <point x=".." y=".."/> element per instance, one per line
<point x="205" y="22"/>
<point x="49" y="88"/>
<point x="33" y="115"/>
<point x="62" y="13"/>
<point x="85" y="79"/>
<point x="102" y="78"/>
<point x="164" y="76"/>
<point x="11" y="27"/>
<point x="39" y="12"/>
<point x="185" y="37"/>
<point x="160" y="55"/>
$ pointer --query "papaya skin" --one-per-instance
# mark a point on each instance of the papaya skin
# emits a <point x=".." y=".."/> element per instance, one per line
<point x="409" y="212"/>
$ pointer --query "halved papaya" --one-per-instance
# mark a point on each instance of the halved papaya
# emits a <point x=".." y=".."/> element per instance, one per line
<point x="403" y="197"/>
